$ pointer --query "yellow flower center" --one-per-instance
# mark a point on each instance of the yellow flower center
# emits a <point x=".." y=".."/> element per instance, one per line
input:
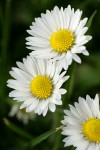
<point x="61" y="40"/>
<point x="91" y="129"/>
<point x="41" y="86"/>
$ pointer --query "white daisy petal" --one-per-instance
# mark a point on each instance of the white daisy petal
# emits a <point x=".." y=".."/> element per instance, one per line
<point x="21" y="66"/>
<point x="75" y="20"/>
<point x="21" y="115"/>
<point x="16" y="93"/>
<point x="84" y="145"/>
<point x="37" y="83"/>
<point x="89" y="100"/>
<point x="45" y="111"/>
<point x="65" y="24"/>
<point x="38" y="110"/>
<point x="76" y="58"/>
<point x="85" y="52"/>
<point x="75" y="112"/>
<point x="68" y="142"/>
<point x="17" y="83"/>
<point x="22" y="89"/>
<point x="81" y="25"/>
<point x="95" y="108"/>
<point x="62" y="91"/>
<point x="97" y="146"/>
<point x="20" y="77"/>
<point x="56" y="101"/>
<point x="81" y="124"/>
<point x="41" y="65"/>
<point x="33" y="106"/>
<point x="52" y="107"/>
<point x="91" y="146"/>
<point x="26" y="103"/>
<point x="69" y="57"/>
<point x="82" y="32"/>
<point x="43" y="104"/>
<point x="68" y="15"/>
<point x="86" y="109"/>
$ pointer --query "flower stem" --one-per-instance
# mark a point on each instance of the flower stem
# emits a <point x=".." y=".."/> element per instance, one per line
<point x="5" y="41"/>
<point x="1" y="16"/>
<point x="59" y="128"/>
<point x="5" y="32"/>
<point x="56" y="122"/>
<point x="69" y="85"/>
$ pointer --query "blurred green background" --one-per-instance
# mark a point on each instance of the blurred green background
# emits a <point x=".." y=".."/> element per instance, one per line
<point x="15" y="18"/>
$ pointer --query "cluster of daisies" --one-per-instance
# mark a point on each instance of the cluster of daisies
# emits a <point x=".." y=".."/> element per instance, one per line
<point x="56" y="38"/>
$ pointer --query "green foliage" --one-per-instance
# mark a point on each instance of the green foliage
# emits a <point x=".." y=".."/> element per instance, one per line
<point x="91" y="19"/>
<point x="17" y="129"/>
<point x="40" y="138"/>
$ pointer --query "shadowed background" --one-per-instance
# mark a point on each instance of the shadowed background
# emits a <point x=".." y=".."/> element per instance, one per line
<point x="15" y="18"/>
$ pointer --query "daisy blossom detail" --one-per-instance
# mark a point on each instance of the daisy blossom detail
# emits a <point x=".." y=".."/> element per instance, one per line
<point x="81" y="125"/>
<point x="21" y="114"/>
<point x="38" y="84"/>
<point x="59" y="34"/>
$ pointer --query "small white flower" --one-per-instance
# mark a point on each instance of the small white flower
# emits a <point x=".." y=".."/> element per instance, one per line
<point x="37" y="83"/>
<point x="81" y="124"/>
<point x="59" y="34"/>
<point x="21" y="114"/>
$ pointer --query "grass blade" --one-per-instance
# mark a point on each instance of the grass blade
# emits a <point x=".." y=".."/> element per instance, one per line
<point x="41" y="138"/>
<point x="91" y="19"/>
<point x="16" y="129"/>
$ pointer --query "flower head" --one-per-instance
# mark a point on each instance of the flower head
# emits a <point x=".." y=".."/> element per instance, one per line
<point x="37" y="83"/>
<point x="59" y="35"/>
<point x="81" y="124"/>
<point x="21" y="114"/>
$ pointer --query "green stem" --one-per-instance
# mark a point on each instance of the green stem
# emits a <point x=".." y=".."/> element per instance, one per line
<point x="69" y="85"/>
<point x="17" y="129"/>
<point x="40" y="138"/>
<point x="66" y="98"/>
<point x="5" y="34"/>
<point x="4" y="48"/>
<point x="4" y="45"/>
<point x="1" y="16"/>
<point x="91" y="19"/>
<point x="57" y="142"/>
<point x="56" y="121"/>
<point x="72" y="81"/>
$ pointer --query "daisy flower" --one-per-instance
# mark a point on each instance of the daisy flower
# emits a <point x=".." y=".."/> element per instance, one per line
<point x="81" y="124"/>
<point x="59" y="35"/>
<point x="21" y="114"/>
<point x="38" y="84"/>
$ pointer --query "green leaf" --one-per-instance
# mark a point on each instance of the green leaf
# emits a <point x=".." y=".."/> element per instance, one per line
<point x="91" y="19"/>
<point x="41" y="138"/>
<point x="16" y="129"/>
